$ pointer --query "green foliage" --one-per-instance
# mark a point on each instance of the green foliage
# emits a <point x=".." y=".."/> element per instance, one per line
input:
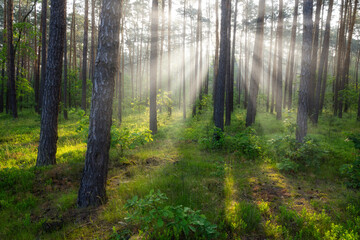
<point x="292" y="156"/>
<point x="15" y="180"/>
<point x="129" y="138"/>
<point x="245" y="218"/>
<point x="163" y="100"/>
<point x="352" y="171"/>
<point x="214" y="139"/>
<point x="245" y="143"/>
<point x="158" y="221"/>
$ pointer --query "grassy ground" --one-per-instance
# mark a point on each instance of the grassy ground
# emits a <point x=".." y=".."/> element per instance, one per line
<point x="237" y="182"/>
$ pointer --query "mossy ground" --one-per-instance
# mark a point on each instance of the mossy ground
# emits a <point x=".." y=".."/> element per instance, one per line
<point x="246" y="199"/>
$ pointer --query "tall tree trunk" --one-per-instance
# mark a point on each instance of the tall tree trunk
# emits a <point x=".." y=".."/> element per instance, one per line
<point x="183" y="56"/>
<point x="51" y="97"/>
<point x="345" y="76"/>
<point x="93" y="32"/>
<point x="84" y="60"/>
<point x="270" y="56"/>
<point x="169" y="55"/>
<point x="228" y="70"/>
<point x="154" y="64"/>
<point x="290" y="75"/>
<point x="65" y="89"/>
<point x="11" y="58"/>
<point x="36" y="67"/>
<point x="257" y="64"/>
<point x="43" y="49"/>
<point x="322" y="75"/>
<point x="302" y="114"/>
<point x="92" y="190"/>
<point x="279" y="34"/>
<point x="217" y="46"/>
<point x="232" y="77"/>
<point x="246" y="61"/>
<point x="220" y="82"/>
<point x="314" y="58"/>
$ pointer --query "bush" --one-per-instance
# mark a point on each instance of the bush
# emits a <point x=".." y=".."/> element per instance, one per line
<point x="214" y="139"/>
<point x="127" y="138"/>
<point x="246" y="143"/>
<point x="246" y="217"/>
<point x="157" y="221"/>
<point x="351" y="172"/>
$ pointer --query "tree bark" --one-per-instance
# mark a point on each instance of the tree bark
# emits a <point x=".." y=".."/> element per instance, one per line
<point x="11" y="58"/>
<point x="154" y="65"/>
<point x="43" y="50"/>
<point x="290" y="75"/>
<point x="322" y="75"/>
<point x="65" y="89"/>
<point x="257" y="64"/>
<point x="92" y="190"/>
<point x="51" y="95"/>
<point x="278" y="106"/>
<point x="84" y="60"/>
<point x="183" y="56"/>
<point x="302" y="115"/>
<point x="220" y="82"/>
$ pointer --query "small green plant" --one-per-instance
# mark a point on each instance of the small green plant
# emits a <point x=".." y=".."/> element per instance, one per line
<point x="351" y="172"/>
<point x="246" y="218"/>
<point x="158" y="221"/>
<point x="126" y="138"/>
<point x="246" y="143"/>
<point x="214" y="139"/>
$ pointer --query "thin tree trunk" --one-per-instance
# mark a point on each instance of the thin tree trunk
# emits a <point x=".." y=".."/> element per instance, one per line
<point x="169" y="55"/>
<point x="257" y="64"/>
<point x="220" y="82"/>
<point x="65" y="72"/>
<point x="11" y="58"/>
<point x="92" y="190"/>
<point x="43" y="49"/>
<point x="322" y="75"/>
<point x="232" y="77"/>
<point x="153" y="65"/>
<point x="183" y="56"/>
<point x="302" y="115"/>
<point x="51" y="97"/>
<point x="270" y="50"/>
<point x="84" y="60"/>
<point x="278" y="107"/>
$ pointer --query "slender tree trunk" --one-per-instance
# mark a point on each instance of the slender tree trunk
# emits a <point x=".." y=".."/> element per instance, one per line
<point x="169" y="55"/>
<point x="302" y="115"/>
<point x="292" y="55"/>
<point x="92" y="190"/>
<point x="345" y="76"/>
<point x="279" y="64"/>
<point x="246" y="62"/>
<point x="65" y="72"/>
<point x="233" y="60"/>
<point x="43" y="49"/>
<point x="93" y="32"/>
<point x="220" y="82"/>
<point x="314" y="58"/>
<point x="153" y="65"/>
<point x="11" y="58"/>
<point x="217" y="45"/>
<point x="183" y="56"/>
<point x="51" y="97"/>
<point x="322" y="75"/>
<point x="270" y="56"/>
<point x="84" y="60"/>
<point x="257" y="64"/>
<point x="228" y="70"/>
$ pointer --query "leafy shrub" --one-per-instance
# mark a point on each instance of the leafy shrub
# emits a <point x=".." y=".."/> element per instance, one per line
<point x="214" y="139"/>
<point x="246" y="143"/>
<point x="16" y="179"/>
<point x="352" y="171"/>
<point x="245" y="218"/>
<point x="293" y="156"/>
<point x="158" y="221"/>
<point x="127" y="138"/>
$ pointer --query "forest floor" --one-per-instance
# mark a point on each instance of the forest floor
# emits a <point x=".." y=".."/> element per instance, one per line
<point x="239" y="182"/>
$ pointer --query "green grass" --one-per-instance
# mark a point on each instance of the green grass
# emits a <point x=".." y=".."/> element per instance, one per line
<point x="251" y="199"/>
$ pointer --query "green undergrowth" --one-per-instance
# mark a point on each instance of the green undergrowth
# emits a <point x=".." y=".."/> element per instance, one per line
<point x="189" y="181"/>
